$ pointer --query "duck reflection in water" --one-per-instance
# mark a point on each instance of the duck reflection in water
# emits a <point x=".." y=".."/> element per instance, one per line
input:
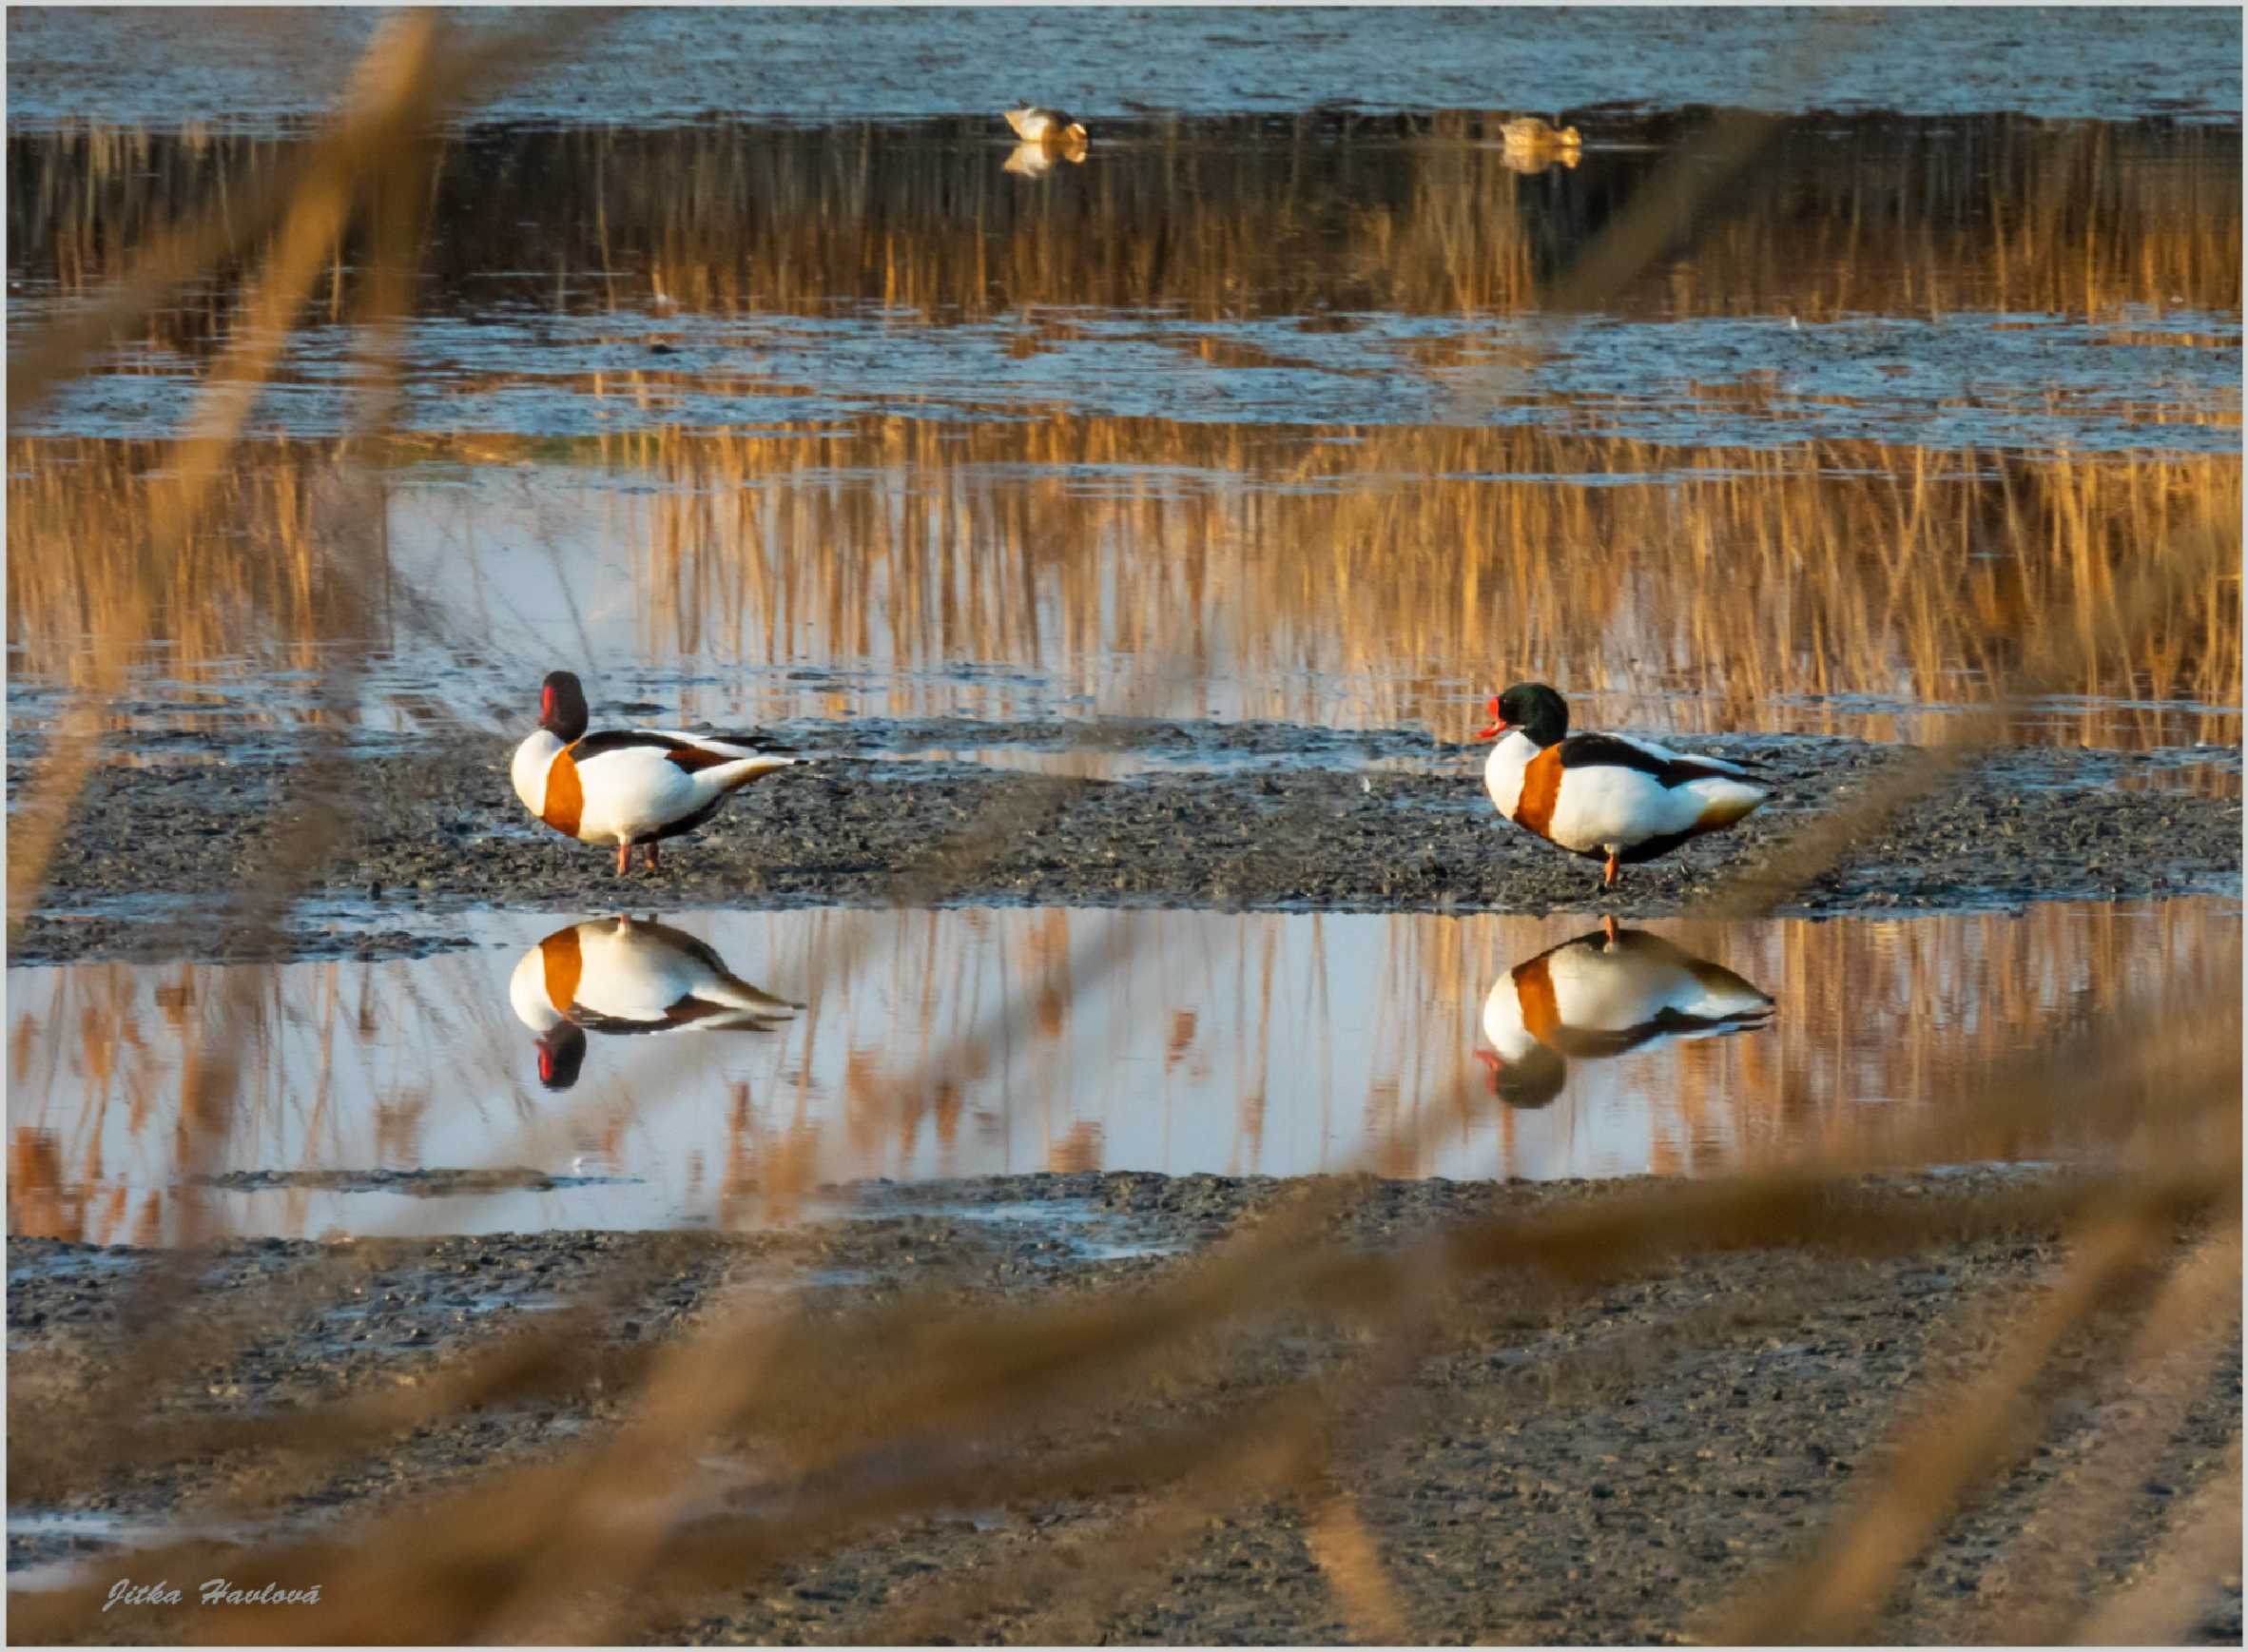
<point x="625" y="975"/>
<point x="1530" y="163"/>
<point x="1600" y="995"/>
<point x="1031" y="160"/>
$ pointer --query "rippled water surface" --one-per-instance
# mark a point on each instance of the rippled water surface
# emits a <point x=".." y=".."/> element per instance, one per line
<point x="249" y="70"/>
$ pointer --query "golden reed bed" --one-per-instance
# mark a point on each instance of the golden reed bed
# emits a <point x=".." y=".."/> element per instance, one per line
<point x="1686" y="588"/>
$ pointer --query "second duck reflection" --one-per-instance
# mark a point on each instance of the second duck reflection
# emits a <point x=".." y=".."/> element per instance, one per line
<point x="618" y="974"/>
<point x="1600" y="995"/>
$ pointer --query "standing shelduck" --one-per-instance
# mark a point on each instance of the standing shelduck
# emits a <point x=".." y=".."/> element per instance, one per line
<point x="1601" y="994"/>
<point x="616" y="976"/>
<point x="1605" y="796"/>
<point x="625" y="785"/>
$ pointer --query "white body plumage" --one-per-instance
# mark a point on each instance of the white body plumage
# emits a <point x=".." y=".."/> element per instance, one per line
<point x="1602" y="806"/>
<point x="621" y="976"/>
<point x="1594" y="996"/>
<point x="628" y="793"/>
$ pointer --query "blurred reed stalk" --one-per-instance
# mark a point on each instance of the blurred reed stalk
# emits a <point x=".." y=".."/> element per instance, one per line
<point x="1896" y="574"/>
<point x="921" y="1405"/>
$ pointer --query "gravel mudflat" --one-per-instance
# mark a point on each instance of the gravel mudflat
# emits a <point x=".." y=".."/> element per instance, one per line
<point x="438" y="830"/>
<point x="1565" y="1468"/>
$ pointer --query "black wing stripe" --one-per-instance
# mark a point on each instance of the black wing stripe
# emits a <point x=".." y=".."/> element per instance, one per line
<point x="756" y="742"/>
<point x="1606" y="751"/>
<point x="593" y="746"/>
<point x="595" y="1021"/>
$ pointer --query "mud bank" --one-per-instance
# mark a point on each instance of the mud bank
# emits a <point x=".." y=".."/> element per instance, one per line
<point x="155" y="854"/>
<point x="1573" y="1468"/>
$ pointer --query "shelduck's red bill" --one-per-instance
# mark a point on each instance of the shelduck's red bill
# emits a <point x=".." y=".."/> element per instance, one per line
<point x="1499" y="725"/>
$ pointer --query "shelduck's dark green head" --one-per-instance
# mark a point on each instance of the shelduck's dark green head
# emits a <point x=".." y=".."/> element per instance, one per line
<point x="1533" y="708"/>
<point x="562" y="707"/>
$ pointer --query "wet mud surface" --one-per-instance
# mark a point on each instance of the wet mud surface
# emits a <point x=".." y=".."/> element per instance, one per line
<point x="424" y="1184"/>
<point x="154" y="854"/>
<point x="1572" y="1469"/>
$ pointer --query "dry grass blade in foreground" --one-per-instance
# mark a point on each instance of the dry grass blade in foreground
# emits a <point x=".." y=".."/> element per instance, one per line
<point x="404" y="87"/>
<point x="1828" y="1596"/>
<point x="376" y="150"/>
<point x="2185" y="1332"/>
<point x="824" y="1428"/>
<point x="2161" y="1606"/>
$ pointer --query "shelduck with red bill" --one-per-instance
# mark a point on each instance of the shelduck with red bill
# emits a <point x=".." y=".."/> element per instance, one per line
<point x="626" y="785"/>
<point x="1608" y="797"/>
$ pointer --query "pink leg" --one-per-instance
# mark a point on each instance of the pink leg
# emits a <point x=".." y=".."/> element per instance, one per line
<point x="624" y="858"/>
<point x="651" y="854"/>
<point x="1608" y="877"/>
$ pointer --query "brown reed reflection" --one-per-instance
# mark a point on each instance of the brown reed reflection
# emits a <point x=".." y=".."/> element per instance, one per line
<point x="1390" y="577"/>
<point x="1408" y="564"/>
<point x="1258" y="1044"/>
<point x="1218" y="218"/>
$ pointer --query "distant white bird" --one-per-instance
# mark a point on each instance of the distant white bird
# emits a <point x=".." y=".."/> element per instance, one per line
<point x="625" y="785"/>
<point x="618" y="976"/>
<point x="1036" y="125"/>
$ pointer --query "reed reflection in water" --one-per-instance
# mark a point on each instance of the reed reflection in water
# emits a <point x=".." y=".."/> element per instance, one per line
<point x="1223" y="218"/>
<point x="1347" y="577"/>
<point x="1261" y="1043"/>
<point x="1396" y="554"/>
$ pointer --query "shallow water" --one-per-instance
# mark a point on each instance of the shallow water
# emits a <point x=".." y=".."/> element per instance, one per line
<point x="752" y="421"/>
<point x="755" y="375"/>
<point x="252" y="70"/>
<point x="2169" y="382"/>
<point x="953" y="1043"/>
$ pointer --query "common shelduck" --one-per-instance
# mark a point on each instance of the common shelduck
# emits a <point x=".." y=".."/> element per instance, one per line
<point x="1528" y="134"/>
<point x="1601" y="994"/>
<point x="1605" y="796"/>
<point x="1035" y="125"/>
<point x="625" y="785"/>
<point x="617" y="976"/>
